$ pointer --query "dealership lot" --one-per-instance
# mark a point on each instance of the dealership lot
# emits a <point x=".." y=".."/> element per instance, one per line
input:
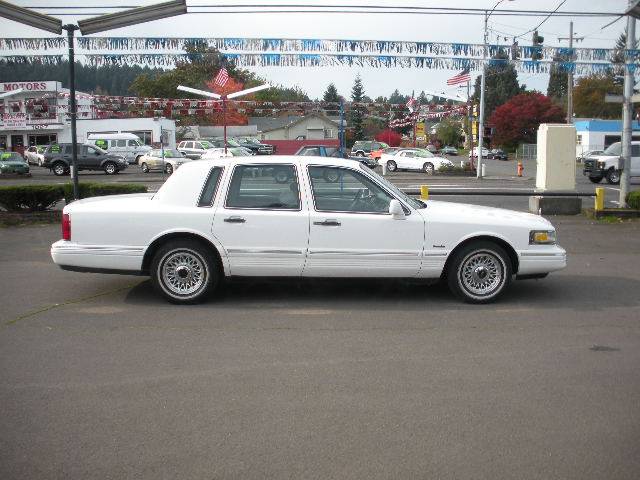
<point x="100" y="378"/>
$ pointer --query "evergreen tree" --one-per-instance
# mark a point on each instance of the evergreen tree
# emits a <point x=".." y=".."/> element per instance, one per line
<point x="558" y="81"/>
<point x="357" y="123"/>
<point x="331" y="94"/>
<point x="501" y="84"/>
<point x="396" y="97"/>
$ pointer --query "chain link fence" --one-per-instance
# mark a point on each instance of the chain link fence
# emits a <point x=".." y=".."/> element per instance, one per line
<point x="527" y="151"/>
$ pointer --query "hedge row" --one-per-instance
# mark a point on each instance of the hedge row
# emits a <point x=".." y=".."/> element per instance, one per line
<point x="633" y="199"/>
<point x="37" y="198"/>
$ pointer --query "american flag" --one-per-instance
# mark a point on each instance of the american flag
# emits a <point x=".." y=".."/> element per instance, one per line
<point x="462" y="77"/>
<point x="221" y="78"/>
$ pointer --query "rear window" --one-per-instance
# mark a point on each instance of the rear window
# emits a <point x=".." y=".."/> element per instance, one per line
<point x="210" y="187"/>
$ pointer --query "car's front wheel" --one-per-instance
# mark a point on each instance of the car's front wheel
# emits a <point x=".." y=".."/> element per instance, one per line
<point x="391" y="166"/>
<point x="168" y="169"/>
<point x="144" y="167"/>
<point x="110" y="168"/>
<point x="613" y="176"/>
<point x="479" y="272"/>
<point x="59" y="169"/>
<point x="428" y="168"/>
<point x="184" y="271"/>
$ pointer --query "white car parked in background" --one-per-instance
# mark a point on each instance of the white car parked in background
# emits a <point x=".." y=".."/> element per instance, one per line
<point x="35" y="155"/>
<point x="301" y="216"/>
<point x="154" y="161"/>
<point x="414" y="159"/>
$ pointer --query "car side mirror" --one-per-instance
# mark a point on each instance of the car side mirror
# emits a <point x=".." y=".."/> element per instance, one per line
<point x="396" y="210"/>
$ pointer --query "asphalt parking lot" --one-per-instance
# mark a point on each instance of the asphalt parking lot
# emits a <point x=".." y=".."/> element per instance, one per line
<point x="100" y="378"/>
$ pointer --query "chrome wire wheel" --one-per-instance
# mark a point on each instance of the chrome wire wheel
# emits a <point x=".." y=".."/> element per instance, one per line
<point x="481" y="274"/>
<point x="183" y="273"/>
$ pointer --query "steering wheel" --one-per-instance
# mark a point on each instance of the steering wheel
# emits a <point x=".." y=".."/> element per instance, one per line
<point x="365" y="198"/>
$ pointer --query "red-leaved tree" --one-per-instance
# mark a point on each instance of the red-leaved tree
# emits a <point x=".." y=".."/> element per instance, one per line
<point x="389" y="137"/>
<point x="517" y="120"/>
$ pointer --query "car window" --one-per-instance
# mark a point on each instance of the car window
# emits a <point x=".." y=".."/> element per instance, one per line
<point x="92" y="151"/>
<point x="67" y="149"/>
<point x="614" y="149"/>
<point x="311" y="151"/>
<point x="210" y="187"/>
<point x="104" y="144"/>
<point x="343" y="190"/>
<point x="133" y="143"/>
<point x="264" y="186"/>
<point x="635" y="150"/>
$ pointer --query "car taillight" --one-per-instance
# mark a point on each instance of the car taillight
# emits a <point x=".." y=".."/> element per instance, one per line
<point x="66" y="227"/>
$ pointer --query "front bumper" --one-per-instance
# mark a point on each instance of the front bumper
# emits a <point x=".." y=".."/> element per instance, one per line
<point x="542" y="260"/>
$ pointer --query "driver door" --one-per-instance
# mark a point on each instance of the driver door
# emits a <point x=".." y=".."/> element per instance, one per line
<point x="352" y="233"/>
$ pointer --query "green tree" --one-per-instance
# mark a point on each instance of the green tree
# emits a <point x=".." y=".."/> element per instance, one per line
<point x="501" y="83"/>
<point x="396" y="97"/>
<point x="357" y="117"/>
<point x="558" y="81"/>
<point x="448" y="132"/>
<point x="331" y="94"/>
<point x="588" y="97"/>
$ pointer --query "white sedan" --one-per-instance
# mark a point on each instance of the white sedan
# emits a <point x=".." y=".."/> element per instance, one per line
<point x="301" y="217"/>
<point x="34" y="155"/>
<point x="155" y="161"/>
<point x="414" y="159"/>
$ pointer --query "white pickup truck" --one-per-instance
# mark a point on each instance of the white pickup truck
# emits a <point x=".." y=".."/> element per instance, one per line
<point x="608" y="164"/>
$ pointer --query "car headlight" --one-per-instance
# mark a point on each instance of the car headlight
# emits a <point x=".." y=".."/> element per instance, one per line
<point x="601" y="164"/>
<point x="542" y="237"/>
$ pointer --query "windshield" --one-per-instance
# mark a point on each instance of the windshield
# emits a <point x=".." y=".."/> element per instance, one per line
<point x="10" y="156"/>
<point x="415" y="203"/>
<point x="424" y="153"/>
<point x="205" y="144"/>
<point x="172" y="154"/>
<point x="614" y="149"/>
<point x="232" y="142"/>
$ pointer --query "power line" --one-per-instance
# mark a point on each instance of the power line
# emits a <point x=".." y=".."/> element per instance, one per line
<point x="545" y="19"/>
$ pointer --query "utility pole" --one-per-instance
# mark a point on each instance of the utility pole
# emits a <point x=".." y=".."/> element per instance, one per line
<point x="482" y="84"/>
<point x="627" y="108"/>
<point x="571" y="38"/>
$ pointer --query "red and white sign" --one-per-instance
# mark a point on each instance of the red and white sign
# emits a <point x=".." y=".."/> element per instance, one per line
<point x="14" y="121"/>
<point x="30" y="86"/>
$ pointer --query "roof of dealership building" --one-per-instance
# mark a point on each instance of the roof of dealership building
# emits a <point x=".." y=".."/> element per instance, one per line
<point x="598" y="125"/>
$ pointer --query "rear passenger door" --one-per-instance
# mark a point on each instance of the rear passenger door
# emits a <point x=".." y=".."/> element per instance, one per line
<point x="635" y="160"/>
<point x="263" y="221"/>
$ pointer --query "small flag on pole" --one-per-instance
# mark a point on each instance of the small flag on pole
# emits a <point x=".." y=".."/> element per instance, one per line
<point x="462" y="77"/>
<point x="411" y="104"/>
<point x="221" y="78"/>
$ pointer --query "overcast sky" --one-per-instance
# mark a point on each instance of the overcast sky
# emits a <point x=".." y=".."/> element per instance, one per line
<point x="377" y="81"/>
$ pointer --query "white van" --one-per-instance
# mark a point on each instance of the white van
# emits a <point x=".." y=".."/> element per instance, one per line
<point x="127" y="145"/>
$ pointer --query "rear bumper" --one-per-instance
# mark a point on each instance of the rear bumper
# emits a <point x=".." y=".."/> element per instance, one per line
<point x="534" y="262"/>
<point x="96" y="258"/>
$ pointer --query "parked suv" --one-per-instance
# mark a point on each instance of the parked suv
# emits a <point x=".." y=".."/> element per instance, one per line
<point x="254" y="145"/>
<point x="363" y="148"/>
<point x="125" y="145"/>
<point x="57" y="158"/>
<point x="194" y="149"/>
<point x="608" y="165"/>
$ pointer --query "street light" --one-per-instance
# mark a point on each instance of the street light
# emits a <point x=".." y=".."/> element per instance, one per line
<point x="132" y="16"/>
<point x="224" y="98"/>
<point x="125" y="18"/>
<point x="482" y="87"/>
<point x="28" y="17"/>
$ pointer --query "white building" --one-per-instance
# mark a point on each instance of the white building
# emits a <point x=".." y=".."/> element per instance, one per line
<point x="38" y="116"/>
<point x="596" y="134"/>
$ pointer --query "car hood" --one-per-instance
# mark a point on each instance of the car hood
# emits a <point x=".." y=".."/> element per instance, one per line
<point x="490" y="216"/>
<point x="603" y="158"/>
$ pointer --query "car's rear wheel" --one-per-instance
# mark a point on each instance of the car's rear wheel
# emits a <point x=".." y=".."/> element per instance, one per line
<point x="428" y="168"/>
<point x="596" y="179"/>
<point x="144" y="167"/>
<point x="138" y="159"/>
<point x="392" y="166"/>
<point x="59" y="168"/>
<point x="331" y="175"/>
<point x="359" y="154"/>
<point x="168" y="169"/>
<point x="613" y="176"/>
<point x="184" y="271"/>
<point x="479" y="272"/>
<point x="110" y="168"/>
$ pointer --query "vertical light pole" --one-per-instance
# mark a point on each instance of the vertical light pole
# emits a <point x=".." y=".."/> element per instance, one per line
<point x="341" y="134"/>
<point x="627" y="107"/>
<point x="570" y="79"/>
<point x="487" y="14"/>
<point x="73" y="109"/>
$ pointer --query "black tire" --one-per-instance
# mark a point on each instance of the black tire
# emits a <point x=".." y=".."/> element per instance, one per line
<point x="110" y="168"/>
<point x="613" y="176"/>
<point x="331" y="175"/>
<point x="473" y="265"/>
<point x="596" y="179"/>
<point x="359" y="154"/>
<point x="428" y="168"/>
<point x="168" y="169"/>
<point x="144" y="167"/>
<point x="138" y="159"/>
<point x="178" y="262"/>
<point x="59" y="169"/>
<point x="392" y="166"/>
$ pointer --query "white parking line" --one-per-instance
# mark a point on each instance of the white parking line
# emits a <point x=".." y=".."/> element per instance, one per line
<point x="612" y="188"/>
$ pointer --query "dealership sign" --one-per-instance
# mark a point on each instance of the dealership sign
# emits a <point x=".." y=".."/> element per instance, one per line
<point x="14" y="121"/>
<point x="30" y="86"/>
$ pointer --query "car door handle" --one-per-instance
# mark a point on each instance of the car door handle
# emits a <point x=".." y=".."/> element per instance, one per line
<point x="328" y="223"/>
<point x="234" y="220"/>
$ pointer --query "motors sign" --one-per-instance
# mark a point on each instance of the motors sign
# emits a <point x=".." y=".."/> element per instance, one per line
<point x="14" y="121"/>
<point x="30" y="86"/>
